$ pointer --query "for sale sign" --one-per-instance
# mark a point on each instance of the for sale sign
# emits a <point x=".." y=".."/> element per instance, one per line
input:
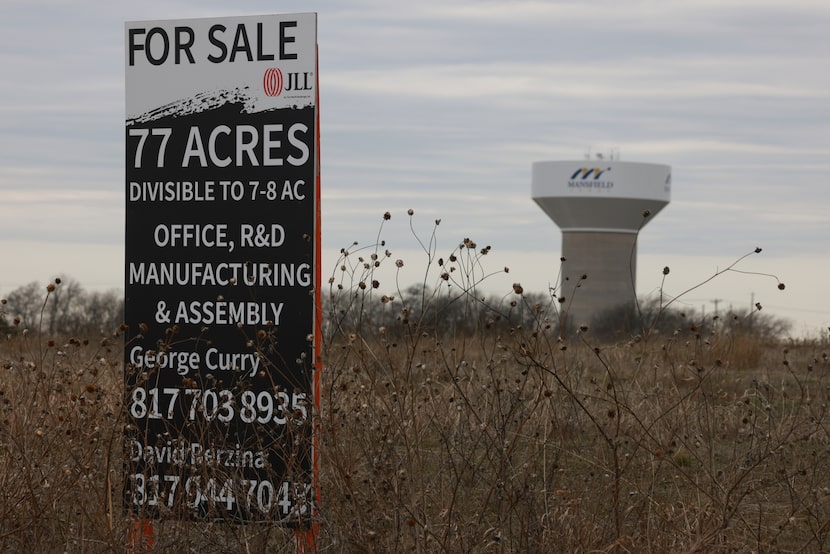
<point x="222" y="272"/>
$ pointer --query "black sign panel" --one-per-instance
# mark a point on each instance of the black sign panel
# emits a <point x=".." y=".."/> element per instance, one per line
<point x="221" y="246"/>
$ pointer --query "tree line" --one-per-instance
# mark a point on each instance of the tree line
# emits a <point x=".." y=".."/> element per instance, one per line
<point x="63" y="307"/>
<point x="452" y="312"/>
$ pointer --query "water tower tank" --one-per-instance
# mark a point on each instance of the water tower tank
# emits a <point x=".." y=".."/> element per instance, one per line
<point x="599" y="206"/>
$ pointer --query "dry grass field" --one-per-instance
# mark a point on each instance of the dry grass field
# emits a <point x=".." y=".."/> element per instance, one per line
<point x="455" y="425"/>
<point x="516" y="441"/>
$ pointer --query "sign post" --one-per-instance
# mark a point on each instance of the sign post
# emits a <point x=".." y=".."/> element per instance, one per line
<point x="222" y="269"/>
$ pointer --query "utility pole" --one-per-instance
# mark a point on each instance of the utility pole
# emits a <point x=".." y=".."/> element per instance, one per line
<point x="716" y="316"/>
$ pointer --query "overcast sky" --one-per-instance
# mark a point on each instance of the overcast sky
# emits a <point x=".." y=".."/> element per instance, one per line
<point x="442" y="107"/>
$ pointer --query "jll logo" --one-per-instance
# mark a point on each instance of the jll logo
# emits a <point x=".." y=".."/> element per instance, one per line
<point x="273" y="82"/>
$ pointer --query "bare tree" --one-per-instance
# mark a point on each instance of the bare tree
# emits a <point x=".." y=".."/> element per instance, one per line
<point x="103" y="311"/>
<point x="25" y="303"/>
<point x="65" y="306"/>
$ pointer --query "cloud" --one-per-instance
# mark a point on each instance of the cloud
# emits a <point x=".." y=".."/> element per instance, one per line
<point x="442" y="107"/>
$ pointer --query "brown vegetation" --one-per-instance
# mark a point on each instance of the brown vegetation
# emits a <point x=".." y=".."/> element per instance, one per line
<point x="514" y="440"/>
<point x="452" y="424"/>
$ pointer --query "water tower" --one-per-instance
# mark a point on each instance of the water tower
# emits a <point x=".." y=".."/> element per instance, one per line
<point x="599" y="206"/>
